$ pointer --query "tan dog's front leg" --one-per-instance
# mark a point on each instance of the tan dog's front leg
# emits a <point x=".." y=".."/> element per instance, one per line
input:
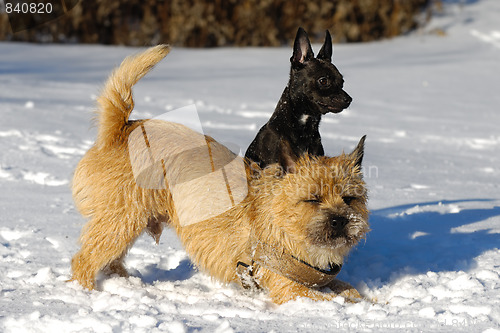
<point x="283" y="290"/>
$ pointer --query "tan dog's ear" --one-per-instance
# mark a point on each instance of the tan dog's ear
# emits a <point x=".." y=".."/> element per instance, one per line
<point x="358" y="152"/>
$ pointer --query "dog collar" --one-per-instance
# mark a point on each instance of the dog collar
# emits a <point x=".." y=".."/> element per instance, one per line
<point x="284" y="264"/>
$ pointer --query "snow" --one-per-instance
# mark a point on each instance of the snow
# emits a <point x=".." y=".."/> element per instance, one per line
<point x="429" y="107"/>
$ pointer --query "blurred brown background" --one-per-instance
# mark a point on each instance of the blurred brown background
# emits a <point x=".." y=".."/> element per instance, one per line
<point x="203" y="23"/>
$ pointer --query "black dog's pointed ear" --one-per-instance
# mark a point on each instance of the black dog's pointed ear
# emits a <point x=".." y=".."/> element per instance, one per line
<point x="302" y="50"/>
<point x="326" y="50"/>
<point x="358" y="152"/>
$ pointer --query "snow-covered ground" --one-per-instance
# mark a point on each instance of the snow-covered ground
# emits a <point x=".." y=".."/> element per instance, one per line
<point x="429" y="105"/>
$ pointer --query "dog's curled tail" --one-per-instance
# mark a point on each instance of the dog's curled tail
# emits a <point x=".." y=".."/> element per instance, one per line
<point x="116" y="102"/>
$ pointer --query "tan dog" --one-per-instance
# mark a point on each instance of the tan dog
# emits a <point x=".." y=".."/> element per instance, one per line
<point x="287" y="233"/>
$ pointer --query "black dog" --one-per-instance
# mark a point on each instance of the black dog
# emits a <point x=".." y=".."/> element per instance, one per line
<point x="314" y="89"/>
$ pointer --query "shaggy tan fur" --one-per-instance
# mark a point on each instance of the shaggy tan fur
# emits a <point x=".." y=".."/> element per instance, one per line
<point x="296" y="212"/>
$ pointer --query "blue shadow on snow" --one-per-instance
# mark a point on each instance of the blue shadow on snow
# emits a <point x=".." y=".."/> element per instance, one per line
<point x="391" y="249"/>
<point x="183" y="271"/>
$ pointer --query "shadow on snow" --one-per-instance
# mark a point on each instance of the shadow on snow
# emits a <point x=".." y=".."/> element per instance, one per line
<point x="420" y="241"/>
<point x="183" y="271"/>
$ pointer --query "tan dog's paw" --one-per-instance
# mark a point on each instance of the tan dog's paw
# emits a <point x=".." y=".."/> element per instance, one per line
<point x="116" y="267"/>
<point x="85" y="281"/>
<point x="345" y="290"/>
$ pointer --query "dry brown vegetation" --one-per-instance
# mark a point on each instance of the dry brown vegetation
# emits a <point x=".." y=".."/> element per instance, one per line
<point x="203" y="23"/>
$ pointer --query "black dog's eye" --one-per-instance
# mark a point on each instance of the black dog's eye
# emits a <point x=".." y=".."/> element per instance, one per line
<point x="348" y="200"/>
<point x="323" y="82"/>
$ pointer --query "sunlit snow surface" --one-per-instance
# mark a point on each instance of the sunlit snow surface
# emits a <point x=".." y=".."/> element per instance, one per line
<point x="428" y="104"/>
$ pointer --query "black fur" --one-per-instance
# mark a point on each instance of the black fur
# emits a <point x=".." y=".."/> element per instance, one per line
<point x="314" y="89"/>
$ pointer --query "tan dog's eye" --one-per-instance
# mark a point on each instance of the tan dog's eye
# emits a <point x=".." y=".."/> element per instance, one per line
<point x="348" y="200"/>
<point x="312" y="200"/>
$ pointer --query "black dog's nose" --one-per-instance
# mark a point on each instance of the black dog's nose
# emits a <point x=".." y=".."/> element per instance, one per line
<point x="347" y="99"/>
<point x="338" y="222"/>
